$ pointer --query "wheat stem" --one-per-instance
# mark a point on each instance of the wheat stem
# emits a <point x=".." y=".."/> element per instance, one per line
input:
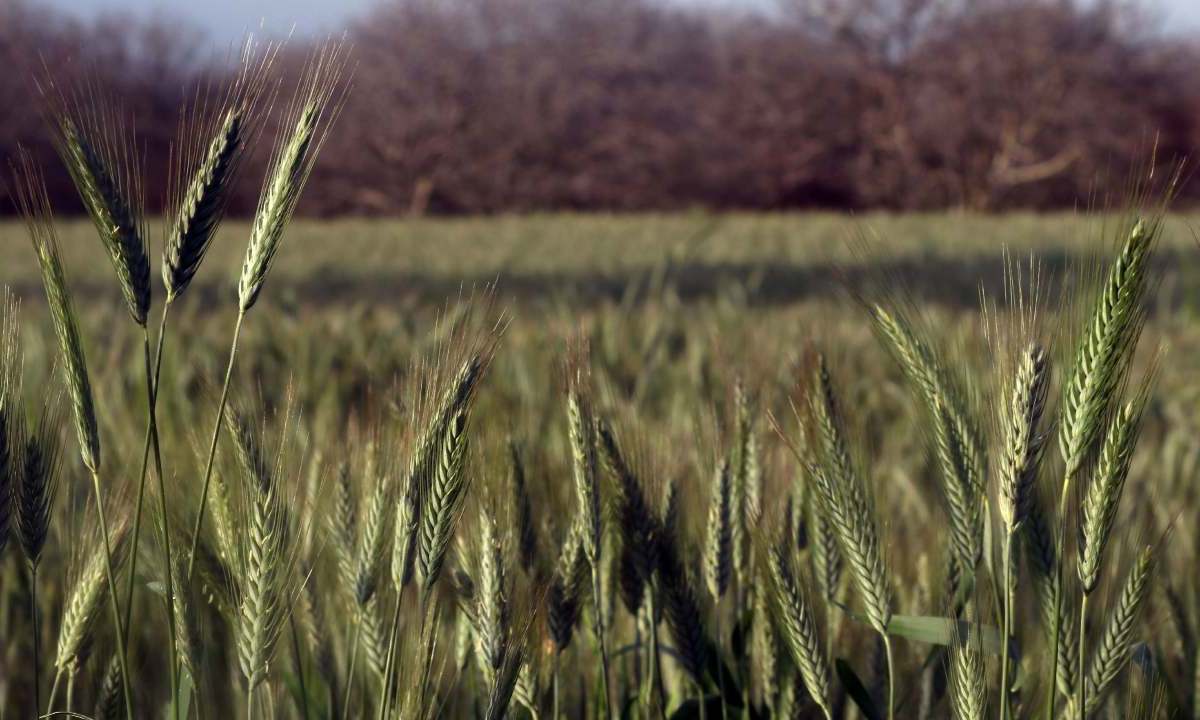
<point x="554" y="687"/>
<point x="299" y="666"/>
<point x="1056" y="632"/>
<point x="655" y="669"/>
<point x="891" y="664"/>
<point x="168" y="572"/>
<point x="151" y="432"/>
<point x="114" y="603"/>
<point x="212" y="446"/>
<point x="1008" y="626"/>
<point x="350" y="672"/>
<point x="389" y="666"/>
<point x="598" y="602"/>
<point x="1083" y="603"/>
<point x="33" y="612"/>
<point x="153" y="368"/>
<point x="54" y="691"/>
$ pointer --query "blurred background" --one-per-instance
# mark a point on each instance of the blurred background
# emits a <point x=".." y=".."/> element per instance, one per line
<point x="496" y="106"/>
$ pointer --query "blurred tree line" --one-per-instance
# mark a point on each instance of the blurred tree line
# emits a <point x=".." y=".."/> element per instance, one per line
<point x="469" y="106"/>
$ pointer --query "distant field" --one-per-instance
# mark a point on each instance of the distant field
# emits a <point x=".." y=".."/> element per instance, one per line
<point x="782" y="256"/>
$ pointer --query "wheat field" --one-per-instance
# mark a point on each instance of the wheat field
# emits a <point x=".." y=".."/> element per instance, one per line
<point x="562" y="466"/>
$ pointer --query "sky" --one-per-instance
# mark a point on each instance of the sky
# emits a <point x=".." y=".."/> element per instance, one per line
<point x="227" y="20"/>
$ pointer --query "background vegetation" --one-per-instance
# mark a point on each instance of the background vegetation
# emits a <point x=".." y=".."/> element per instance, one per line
<point x="520" y="105"/>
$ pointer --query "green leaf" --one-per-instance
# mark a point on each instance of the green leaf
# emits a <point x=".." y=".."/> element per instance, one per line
<point x="857" y="691"/>
<point x="690" y="709"/>
<point x="937" y="630"/>
<point x="723" y="678"/>
<point x="186" y="689"/>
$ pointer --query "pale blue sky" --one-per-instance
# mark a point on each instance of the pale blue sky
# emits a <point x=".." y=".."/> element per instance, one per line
<point x="228" y="20"/>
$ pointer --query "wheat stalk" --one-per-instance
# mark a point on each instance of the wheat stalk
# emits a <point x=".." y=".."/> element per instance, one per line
<point x="1101" y="364"/>
<point x="34" y="204"/>
<point x="581" y="426"/>
<point x="10" y="418"/>
<point x="1023" y="441"/>
<point x="317" y="103"/>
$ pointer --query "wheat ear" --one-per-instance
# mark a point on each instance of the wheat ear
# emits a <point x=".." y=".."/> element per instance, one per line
<point x="492" y="595"/>
<point x="956" y="438"/>
<point x="84" y="606"/>
<point x="718" y="551"/>
<point x="316" y="105"/>
<point x="443" y="503"/>
<point x="268" y="552"/>
<point x="636" y="524"/>
<point x="1110" y="656"/>
<point x="527" y="539"/>
<point x="850" y="511"/>
<point x="1104" y="493"/>
<point x="109" y="705"/>
<point x="799" y="630"/>
<point x="1105" y="348"/>
<point x="564" y="594"/>
<point x="373" y="544"/>
<point x="968" y="677"/>
<point x="206" y="162"/>
<point x="98" y="147"/>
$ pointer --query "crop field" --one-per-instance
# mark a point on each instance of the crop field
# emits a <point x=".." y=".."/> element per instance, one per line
<point x="691" y="470"/>
<point x="691" y="465"/>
